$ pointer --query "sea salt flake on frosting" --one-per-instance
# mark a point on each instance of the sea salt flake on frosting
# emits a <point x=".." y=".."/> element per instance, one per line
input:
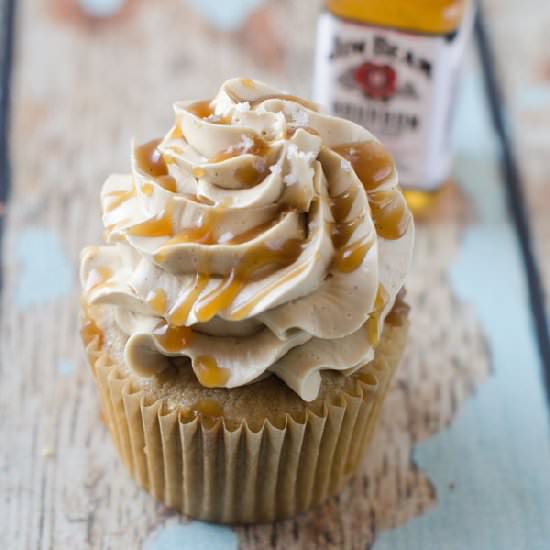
<point x="275" y="244"/>
<point x="292" y="151"/>
<point x="290" y="179"/>
<point x="223" y="110"/>
<point x="306" y="155"/>
<point x="247" y="142"/>
<point x="226" y="237"/>
<point x="345" y="165"/>
<point x="300" y="117"/>
<point x="243" y="106"/>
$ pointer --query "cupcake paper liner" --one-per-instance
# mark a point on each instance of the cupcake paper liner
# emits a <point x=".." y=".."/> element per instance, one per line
<point x="212" y="470"/>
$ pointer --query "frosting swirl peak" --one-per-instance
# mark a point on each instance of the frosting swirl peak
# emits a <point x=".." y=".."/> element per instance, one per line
<point x="258" y="236"/>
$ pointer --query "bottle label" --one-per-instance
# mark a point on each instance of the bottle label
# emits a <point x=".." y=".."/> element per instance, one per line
<point x="399" y="85"/>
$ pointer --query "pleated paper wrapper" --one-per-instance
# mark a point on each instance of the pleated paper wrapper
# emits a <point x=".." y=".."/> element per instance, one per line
<point x="218" y="471"/>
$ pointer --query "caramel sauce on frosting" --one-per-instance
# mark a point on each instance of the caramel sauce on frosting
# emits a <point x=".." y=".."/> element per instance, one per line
<point x="118" y="198"/>
<point x="147" y="189"/>
<point x="204" y="109"/>
<point x="250" y="144"/>
<point x="373" y="166"/>
<point x="381" y="300"/>
<point x="208" y="372"/>
<point x="90" y="331"/>
<point x="160" y="226"/>
<point x="348" y="258"/>
<point x="157" y="300"/>
<point x="178" y="316"/>
<point x="250" y="175"/>
<point x="201" y="109"/>
<point x="275" y="248"/>
<point x="173" y="338"/>
<point x="258" y="262"/>
<point x="150" y="159"/>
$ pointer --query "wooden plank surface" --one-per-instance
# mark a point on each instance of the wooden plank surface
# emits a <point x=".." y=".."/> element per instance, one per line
<point x="523" y="65"/>
<point x="82" y="88"/>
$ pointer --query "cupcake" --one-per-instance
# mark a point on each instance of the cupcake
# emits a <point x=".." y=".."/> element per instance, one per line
<point x="246" y="315"/>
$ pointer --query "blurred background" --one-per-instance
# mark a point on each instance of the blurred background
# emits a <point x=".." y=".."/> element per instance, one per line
<point x="81" y="78"/>
<point x="112" y="68"/>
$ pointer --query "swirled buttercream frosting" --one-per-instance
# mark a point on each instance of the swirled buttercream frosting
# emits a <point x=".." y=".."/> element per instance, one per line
<point x="259" y="236"/>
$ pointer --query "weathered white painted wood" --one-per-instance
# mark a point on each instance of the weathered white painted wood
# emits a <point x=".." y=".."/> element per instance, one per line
<point x="520" y="35"/>
<point x="82" y="89"/>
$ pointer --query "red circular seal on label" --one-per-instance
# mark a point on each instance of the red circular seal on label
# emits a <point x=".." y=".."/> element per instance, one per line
<point x="376" y="81"/>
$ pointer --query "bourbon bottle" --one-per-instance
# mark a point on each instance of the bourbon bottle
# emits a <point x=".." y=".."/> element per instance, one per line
<point x="393" y="67"/>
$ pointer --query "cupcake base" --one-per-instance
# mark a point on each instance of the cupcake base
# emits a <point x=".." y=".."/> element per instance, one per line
<point x="252" y="454"/>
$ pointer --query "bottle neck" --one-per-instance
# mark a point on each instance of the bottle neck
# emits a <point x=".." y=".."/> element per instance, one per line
<point x="425" y="16"/>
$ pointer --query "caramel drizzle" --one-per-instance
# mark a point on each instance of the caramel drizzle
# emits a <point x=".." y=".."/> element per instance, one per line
<point x="205" y="111"/>
<point x="201" y="109"/>
<point x="175" y="132"/>
<point x="256" y="264"/>
<point x="157" y="300"/>
<point x="178" y="315"/>
<point x="220" y="298"/>
<point x="168" y="183"/>
<point x="251" y="174"/>
<point x="252" y="145"/>
<point x="98" y="276"/>
<point x="203" y="233"/>
<point x="348" y="256"/>
<point x="208" y="372"/>
<point x="204" y="407"/>
<point x="147" y="189"/>
<point x="243" y="311"/>
<point x="373" y="167"/>
<point x="371" y="164"/>
<point x="342" y="204"/>
<point x="156" y="227"/>
<point x="341" y="232"/>
<point x="119" y="198"/>
<point x="172" y="338"/>
<point x="390" y="214"/>
<point x="248" y="83"/>
<point x="380" y="301"/>
<point x="198" y="172"/>
<point x="90" y="331"/>
<point x="150" y="159"/>
<point x="253" y="232"/>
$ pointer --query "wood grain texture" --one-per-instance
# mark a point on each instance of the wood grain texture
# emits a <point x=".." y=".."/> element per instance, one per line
<point x="520" y="35"/>
<point x="83" y="88"/>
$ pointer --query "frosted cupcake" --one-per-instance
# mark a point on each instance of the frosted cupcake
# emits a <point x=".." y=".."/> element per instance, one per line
<point x="246" y="315"/>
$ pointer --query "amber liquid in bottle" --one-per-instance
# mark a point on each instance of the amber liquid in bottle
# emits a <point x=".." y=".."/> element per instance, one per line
<point x="393" y="67"/>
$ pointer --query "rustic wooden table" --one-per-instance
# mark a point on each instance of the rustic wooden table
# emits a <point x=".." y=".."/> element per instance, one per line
<point x="462" y="456"/>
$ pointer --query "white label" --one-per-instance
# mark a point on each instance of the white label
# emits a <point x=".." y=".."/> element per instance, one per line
<point x="401" y="86"/>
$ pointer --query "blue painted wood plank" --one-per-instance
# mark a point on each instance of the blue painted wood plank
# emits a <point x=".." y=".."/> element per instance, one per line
<point x="491" y="467"/>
